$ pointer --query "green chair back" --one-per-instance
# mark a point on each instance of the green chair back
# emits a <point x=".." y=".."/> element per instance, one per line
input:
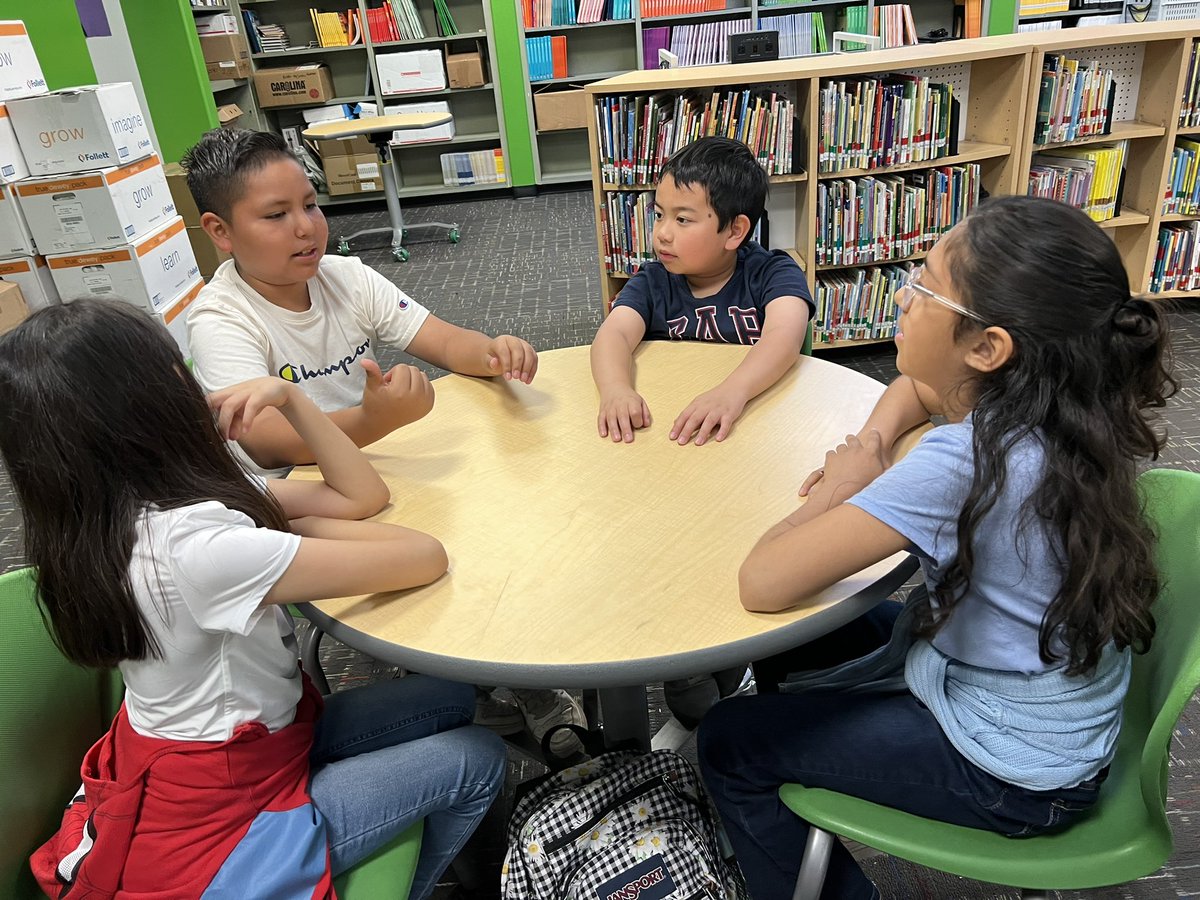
<point x="806" y="347"/>
<point x="1126" y="834"/>
<point x="53" y="711"/>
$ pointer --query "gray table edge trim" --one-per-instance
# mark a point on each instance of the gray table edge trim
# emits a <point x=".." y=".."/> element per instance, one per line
<point x="621" y="673"/>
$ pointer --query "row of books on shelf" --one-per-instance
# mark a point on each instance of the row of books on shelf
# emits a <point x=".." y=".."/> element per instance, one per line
<point x="1177" y="258"/>
<point x="627" y="223"/>
<point x="857" y="304"/>
<point x="474" y="167"/>
<point x="704" y="43"/>
<point x="1075" y="100"/>
<point x="1183" y="185"/>
<point x="336" y="29"/>
<point x="1088" y="178"/>
<point x="873" y="219"/>
<point x="264" y="37"/>
<point x="547" y="13"/>
<point x="680" y="7"/>
<point x="1189" y="108"/>
<point x="639" y="133"/>
<point x="800" y="34"/>
<point x="869" y="123"/>
<point x="894" y="24"/>
<point x="547" y="57"/>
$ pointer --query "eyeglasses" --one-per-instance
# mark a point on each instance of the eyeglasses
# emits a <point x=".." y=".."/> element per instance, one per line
<point x="912" y="284"/>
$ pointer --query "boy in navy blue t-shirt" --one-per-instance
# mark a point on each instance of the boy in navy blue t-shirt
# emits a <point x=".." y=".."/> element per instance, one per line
<point x="710" y="283"/>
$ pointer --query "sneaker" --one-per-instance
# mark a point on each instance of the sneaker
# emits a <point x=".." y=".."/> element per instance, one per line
<point x="672" y="736"/>
<point x="543" y="709"/>
<point x="497" y="711"/>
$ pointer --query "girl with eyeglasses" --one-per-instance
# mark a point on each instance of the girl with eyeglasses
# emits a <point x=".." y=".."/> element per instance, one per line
<point x="156" y="553"/>
<point x="992" y="698"/>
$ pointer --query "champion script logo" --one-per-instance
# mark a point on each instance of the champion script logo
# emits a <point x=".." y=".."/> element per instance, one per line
<point x="298" y="373"/>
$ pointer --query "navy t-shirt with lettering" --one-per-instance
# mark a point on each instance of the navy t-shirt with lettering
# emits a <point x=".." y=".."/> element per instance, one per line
<point x="733" y="315"/>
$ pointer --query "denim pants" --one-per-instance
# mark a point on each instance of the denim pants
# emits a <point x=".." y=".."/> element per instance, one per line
<point x="391" y="753"/>
<point x="886" y="748"/>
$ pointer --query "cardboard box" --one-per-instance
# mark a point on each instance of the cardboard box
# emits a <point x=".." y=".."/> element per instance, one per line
<point x="228" y="115"/>
<point x="358" y="173"/>
<point x="173" y="316"/>
<point x="12" y="160"/>
<point x="560" y="110"/>
<point x="220" y="47"/>
<point x="355" y="146"/>
<point x="15" y="236"/>
<point x="411" y="71"/>
<point x="98" y="209"/>
<point x="221" y="23"/>
<point x="465" y="70"/>
<point x="421" y="135"/>
<point x="81" y="128"/>
<point x="293" y="86"/>
<point x="21" y="73"/>
<point x="33" y="276"/>
<point x="208" y="257"/>
<point x="148" y="272"/>
<point x="228" y="69"/>
<point x="185" y="204"/>
<point x="13" y="309"/>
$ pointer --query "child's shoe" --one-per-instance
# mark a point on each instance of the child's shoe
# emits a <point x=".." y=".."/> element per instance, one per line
<point x="497" y="711"/>
<point x="543" y="709"/>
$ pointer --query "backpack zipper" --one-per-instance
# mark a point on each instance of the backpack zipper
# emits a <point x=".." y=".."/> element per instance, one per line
<point x="634" y="792"/>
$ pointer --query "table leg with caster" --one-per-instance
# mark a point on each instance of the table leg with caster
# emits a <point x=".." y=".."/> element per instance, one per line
<point x="626" y="718"/>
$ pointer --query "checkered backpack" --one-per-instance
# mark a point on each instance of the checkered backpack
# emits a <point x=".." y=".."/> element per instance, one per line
<point x="622" y="826"/>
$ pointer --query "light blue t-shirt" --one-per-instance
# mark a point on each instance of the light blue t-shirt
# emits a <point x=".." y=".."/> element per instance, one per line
<point x="1016" y="572"/>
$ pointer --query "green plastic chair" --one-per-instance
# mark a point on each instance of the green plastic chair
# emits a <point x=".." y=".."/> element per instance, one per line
<point x="1125" y="835"/>
<point x="53" y="711"/>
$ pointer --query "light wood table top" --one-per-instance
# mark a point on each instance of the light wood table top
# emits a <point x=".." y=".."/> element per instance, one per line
<point x="575" y="561"/>
<point x="348" y="128"/>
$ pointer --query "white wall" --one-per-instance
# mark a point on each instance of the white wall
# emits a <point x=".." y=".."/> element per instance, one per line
<point x="112" y="58"/>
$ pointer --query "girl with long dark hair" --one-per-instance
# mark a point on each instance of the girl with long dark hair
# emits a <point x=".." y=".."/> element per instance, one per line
<point x="996" y="703"/>
<point x="157" y="554"/>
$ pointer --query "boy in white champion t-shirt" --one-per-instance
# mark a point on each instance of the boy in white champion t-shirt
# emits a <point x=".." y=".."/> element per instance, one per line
<point x="281" y="307"/>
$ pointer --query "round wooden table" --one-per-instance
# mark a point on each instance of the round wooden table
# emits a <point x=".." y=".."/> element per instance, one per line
<point x="575" y="561"/>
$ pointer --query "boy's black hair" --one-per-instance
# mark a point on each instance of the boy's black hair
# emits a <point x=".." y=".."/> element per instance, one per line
<point x="218" y="165"/>
<point x="734" y="181"/>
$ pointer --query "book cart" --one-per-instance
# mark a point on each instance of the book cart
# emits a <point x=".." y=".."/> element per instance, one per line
<point x="849" y="220"/>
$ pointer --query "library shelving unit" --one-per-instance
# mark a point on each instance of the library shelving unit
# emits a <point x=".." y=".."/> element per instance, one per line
<point x="604" y="49"/>
<point x="233" y="90"/>
<point x="478" y="112"/>
<point x="996" y="81"/>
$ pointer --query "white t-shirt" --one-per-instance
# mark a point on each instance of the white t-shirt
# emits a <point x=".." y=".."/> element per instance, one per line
<point x="199" y="574"/>
<point x="236" y="334"/>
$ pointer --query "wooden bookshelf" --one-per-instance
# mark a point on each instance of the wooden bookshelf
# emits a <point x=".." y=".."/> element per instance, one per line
<point x="1000" y="77"/>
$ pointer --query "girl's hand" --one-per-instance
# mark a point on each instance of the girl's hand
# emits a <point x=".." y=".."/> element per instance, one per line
<point x="857" y="462"/>
<point x="237" y="406"/>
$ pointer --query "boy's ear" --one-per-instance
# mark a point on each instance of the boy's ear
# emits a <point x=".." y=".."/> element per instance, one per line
<point x="990" y="349"/>
<point x="738" y="229"/>
<point x="218" y="230"/>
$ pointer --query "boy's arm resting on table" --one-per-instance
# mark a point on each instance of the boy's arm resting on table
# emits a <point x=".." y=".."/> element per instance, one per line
<point x="622" y="409"/>
<point x="472" y="352"/>
<point x="390" y="401"/>
<point x="340" y="558"/>
<point x="823" y="541"/>
<point x="775" y="352"/>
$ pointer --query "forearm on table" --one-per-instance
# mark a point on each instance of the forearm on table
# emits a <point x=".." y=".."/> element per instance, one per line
<point x="764" y="364"/>
<point x="612" y="361"/>
<point x="451" y="347"/>
<point x="903" y="406"/>
<point x="344" y="467"/>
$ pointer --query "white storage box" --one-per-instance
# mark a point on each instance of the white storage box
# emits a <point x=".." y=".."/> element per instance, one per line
<point x="12" y="160"/>
<point x="81" y="128"/>
<point x="97" y="209"/>
<point x="221" y="23"/>
<point x="148" y="272"/>
<point x="33" y="276"/>
<point x="173" y="315"/>
<point x="421" y="135"/>
<point x="413" y="70"/>
<point x="20" y="73"/>
<point x="15" y="237"/>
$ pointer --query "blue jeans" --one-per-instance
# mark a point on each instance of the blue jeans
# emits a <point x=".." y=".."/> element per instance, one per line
<point x="391" y="753"/>
<point x="886" y="748"/>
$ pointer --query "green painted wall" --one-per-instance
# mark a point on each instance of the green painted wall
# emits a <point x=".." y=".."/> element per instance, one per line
<point x="1001" y="16"/>
<point x="506" y="33"/>
<point x="57" y="37"/>
<point x="163" y="36"/>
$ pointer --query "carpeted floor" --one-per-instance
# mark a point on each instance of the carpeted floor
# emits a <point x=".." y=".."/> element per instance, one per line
<point x="529" y="267"/>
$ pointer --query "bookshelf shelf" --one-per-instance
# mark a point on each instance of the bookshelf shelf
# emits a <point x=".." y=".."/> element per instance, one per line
<point x="574" y="79"/>
<point x="210" y="9"/>
<point x="997" y="81"/>
<point x="1178" y="217"/>
<point x="1071" y="14"/>
<point x="335" y="101"/>
<point x="417" y="95"/>
<point x="425" y="188"/>
<point x="1174" y="295"/>
<point x="430" y="39"/>
<point x="304" y="51"/>
<point x="558" y="29"/>
<point x="728" y="13"/>
<point x="794" y="178"/>
<point x="227" y="84"/>
<point x="840" y="344"/>
<point x="968" y="152"/>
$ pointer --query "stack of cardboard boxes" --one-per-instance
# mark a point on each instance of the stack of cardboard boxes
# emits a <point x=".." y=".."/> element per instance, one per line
<point x="208" y="257"/>
<point x="87" y="200"/>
